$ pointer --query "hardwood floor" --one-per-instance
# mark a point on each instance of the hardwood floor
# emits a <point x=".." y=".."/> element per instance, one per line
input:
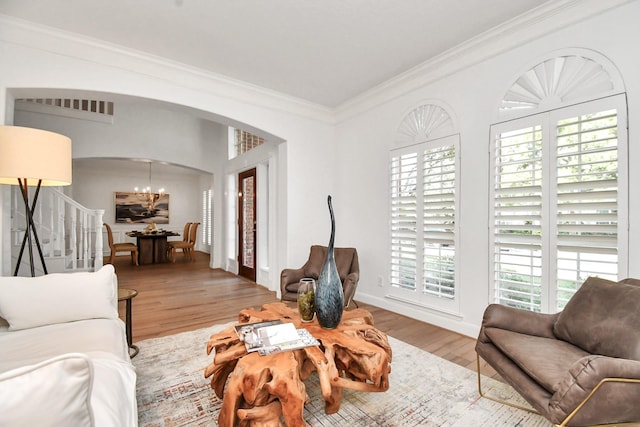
<point x="183" y="296"/>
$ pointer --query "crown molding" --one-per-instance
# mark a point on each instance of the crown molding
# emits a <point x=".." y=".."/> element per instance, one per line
<point x="551" y="16"/>
<point x="40" y="37"/>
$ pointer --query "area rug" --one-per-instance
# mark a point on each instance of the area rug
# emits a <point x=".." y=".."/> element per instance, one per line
<point x="425" y="390"/>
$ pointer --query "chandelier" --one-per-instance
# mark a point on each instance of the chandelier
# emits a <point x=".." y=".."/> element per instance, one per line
<point x="146" y="193"/>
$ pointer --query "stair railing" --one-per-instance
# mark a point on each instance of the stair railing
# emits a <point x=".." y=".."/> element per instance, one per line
<point x="70" y="234"/>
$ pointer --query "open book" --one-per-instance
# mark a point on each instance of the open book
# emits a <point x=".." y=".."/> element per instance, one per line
<point x="273" y="336"/>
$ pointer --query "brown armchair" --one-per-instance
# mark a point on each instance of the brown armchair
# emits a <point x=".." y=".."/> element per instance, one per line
<point x="346" y="263"/>
<point x="577" y="367"/>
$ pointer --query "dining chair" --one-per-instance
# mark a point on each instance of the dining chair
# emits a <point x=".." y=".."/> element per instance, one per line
<point x="121" y="247"/>
<point x="185" y="233"/>
<point x="188" y="245"/>
<point x="185" y="239"/>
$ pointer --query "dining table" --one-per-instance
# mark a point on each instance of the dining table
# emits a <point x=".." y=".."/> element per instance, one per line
<point x="152" y="245"/>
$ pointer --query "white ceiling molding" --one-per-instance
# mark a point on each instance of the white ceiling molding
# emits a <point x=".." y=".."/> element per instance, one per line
<point x="43" y="38"/>
<point x="563" y="78"/>
<point x="426" y="122"/>
<point x="549" y="17"/>
<point x="546" y="19"/>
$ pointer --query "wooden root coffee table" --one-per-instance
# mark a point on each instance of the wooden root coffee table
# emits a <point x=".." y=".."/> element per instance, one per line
<point x="262" y="389"/>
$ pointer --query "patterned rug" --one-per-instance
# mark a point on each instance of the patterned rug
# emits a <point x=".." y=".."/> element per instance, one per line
<point x="425" y="390"/>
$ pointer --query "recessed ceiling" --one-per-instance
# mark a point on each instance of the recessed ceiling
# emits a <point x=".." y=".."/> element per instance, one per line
<point x="323" y="51"/>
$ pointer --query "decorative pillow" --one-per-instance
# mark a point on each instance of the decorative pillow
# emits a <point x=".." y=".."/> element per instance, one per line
<point x="603" y="318"/>
<point x="56" y="392"/>
<point x="29" y="302"/>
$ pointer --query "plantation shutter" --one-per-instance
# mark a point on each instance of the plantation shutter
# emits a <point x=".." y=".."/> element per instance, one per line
<point x="517" y="217"/>
<point x="439" y="220"/>
<point x="403" y="191"/>
<point x="559" y="211"/>
<point x="206" y="217"/>
<point x="423" y="225"/>
<point x="587" y="200"/>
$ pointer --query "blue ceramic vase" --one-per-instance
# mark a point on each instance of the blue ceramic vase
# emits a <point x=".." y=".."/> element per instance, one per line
<point x="329" y="294"/>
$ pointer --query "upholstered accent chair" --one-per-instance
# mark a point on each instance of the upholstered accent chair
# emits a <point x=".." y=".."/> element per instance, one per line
<point x="579" y="367"/>
<point x="346" y="263"/>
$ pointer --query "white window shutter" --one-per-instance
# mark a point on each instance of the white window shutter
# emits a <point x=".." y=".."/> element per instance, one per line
<point x="403" y="191"/>
<point x="587" y="200"/>
<point x="424" y="197"/>
<point x="517" y="217"/>
<point x="439" y="221"/>
<point x="560" y="197"/>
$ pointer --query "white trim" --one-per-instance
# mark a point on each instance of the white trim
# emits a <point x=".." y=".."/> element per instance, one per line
<point x="407" y="137"/>
<point x="416" y="294"/>
<point x="549" y="17"/>
<point x="454" y="314"/>
<point x="551" y="242"/>
<point x="85" y="49"/>
<point x="608" y="70"/>
<point x="545" y="19"/>
<point x="451" y="322"/>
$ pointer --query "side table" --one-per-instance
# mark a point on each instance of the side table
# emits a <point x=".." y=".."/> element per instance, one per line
<point x="127" y="295"/>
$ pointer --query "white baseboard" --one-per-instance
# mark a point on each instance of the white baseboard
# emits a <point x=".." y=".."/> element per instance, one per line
<point x="421" y="313"/>
<point x="232" y="266"/>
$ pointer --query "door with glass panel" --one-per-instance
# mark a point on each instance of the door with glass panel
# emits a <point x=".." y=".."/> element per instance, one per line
<point x="247" y="224"/>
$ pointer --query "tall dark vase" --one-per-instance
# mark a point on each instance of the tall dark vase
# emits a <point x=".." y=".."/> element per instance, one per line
<point x="329" y="294"/>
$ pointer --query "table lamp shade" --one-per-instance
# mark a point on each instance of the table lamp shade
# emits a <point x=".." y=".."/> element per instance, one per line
<point x="34" y="154"/>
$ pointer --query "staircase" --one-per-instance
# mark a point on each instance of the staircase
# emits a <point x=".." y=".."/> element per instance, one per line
<point x="70" y="235"/>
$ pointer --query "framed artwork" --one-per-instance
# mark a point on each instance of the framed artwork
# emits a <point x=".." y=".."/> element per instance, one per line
<point x="134" y="208"/>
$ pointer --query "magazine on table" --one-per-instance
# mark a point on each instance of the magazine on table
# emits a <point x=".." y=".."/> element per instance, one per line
<point x="273" y="336"/>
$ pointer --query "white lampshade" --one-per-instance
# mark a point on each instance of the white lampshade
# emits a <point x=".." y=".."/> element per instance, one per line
<point x="34" y="154"/>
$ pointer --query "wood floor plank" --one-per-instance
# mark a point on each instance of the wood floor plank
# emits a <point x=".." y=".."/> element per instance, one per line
<point x="183" y="296"/>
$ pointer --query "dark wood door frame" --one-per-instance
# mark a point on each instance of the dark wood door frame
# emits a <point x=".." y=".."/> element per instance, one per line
<point x="247" y="244"/>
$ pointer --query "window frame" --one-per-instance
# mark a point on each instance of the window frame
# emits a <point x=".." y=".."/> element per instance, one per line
<point x="549" y="241"/>
<point x="417" y="295"/>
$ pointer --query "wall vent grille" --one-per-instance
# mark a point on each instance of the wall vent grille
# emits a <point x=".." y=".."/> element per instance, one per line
<point x="87" y="105"/>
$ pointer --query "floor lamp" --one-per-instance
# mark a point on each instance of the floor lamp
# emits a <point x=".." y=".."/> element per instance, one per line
<point x="33" y="157"/>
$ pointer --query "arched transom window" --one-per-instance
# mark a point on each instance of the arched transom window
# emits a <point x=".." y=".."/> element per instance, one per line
<point x="559" y="190"/>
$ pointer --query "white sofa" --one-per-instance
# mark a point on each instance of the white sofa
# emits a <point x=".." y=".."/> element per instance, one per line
<point x="64" y="359"/>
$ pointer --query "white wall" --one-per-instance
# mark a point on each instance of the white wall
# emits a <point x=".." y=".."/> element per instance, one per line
<point x="41" y="58"/>
<point x="348" y="160"/>
<point x="137" y="130"/>
<point x="95" y="183"/>
<point x="473" y="94"/>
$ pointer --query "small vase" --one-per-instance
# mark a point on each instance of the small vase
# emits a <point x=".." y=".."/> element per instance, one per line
<point x="306" y="299"/>
<point x="329" y="293"/>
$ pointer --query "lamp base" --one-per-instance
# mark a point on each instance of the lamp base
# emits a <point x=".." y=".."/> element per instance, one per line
<point x="31" y="229"/>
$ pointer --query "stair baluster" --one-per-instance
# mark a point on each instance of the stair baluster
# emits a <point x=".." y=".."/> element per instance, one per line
<point x="72" y="233"/>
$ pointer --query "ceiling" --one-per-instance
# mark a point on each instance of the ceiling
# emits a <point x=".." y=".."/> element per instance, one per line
<point x="137" y="167"/>
<point x="322" y="51"/>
